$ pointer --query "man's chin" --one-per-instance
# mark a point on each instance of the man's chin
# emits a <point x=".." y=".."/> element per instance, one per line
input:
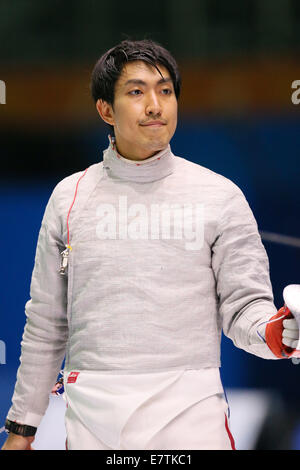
<point x="155" y="146"/>
<point x="144" y="149"/>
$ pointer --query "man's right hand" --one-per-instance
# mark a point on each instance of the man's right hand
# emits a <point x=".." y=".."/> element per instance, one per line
<point x="16" y="442"/>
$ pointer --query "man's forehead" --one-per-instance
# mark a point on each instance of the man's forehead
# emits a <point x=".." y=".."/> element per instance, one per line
<point x="139" y="70"/>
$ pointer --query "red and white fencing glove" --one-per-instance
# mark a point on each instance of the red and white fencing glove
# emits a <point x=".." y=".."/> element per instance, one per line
<point x="282" y="334"/>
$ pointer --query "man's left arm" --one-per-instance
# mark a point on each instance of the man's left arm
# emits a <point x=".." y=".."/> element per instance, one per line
<point x="246" y="303"/>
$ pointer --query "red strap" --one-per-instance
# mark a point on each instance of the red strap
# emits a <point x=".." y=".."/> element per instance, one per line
<point x="229" y="433"/>
<point x="274" y="334"/>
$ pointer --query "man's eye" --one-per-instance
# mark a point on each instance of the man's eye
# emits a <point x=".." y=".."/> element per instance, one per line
<point x="135" y="92"/>
<point x="167" y="91"/>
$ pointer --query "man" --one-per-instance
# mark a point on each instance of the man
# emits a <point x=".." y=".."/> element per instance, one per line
<point x="142" y="260"/>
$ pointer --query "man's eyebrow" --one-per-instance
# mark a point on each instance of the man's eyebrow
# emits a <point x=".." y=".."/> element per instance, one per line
<point x="138" y="81"/>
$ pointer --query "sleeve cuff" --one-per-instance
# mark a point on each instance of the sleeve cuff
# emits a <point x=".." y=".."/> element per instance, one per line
<point x="31" y="419"/>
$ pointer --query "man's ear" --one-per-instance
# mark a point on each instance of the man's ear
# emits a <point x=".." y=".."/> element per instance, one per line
<point x="105" y="111"/>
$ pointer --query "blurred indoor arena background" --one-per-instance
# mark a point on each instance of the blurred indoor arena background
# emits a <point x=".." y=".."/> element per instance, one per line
<point x="238" y="115"/>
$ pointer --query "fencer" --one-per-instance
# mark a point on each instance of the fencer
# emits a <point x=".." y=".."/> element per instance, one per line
<point x="143" y="259"/>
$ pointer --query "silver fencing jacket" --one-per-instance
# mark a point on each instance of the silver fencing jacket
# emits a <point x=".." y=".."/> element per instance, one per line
<point x="165" y="254"/>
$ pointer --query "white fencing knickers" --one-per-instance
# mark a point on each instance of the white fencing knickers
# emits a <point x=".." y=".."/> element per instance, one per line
<point x="161" y="410"/>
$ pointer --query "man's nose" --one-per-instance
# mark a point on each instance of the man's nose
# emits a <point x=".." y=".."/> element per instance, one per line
<point x="153" y="106"/>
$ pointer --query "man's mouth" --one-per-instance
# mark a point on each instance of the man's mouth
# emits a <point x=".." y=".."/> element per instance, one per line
<point x="153" y="123"/>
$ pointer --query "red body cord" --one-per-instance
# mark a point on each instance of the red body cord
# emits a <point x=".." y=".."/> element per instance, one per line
<point x="68" y="230"/>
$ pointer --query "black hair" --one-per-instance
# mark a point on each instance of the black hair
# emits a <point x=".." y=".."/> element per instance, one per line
<point x="110" y="65"/>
